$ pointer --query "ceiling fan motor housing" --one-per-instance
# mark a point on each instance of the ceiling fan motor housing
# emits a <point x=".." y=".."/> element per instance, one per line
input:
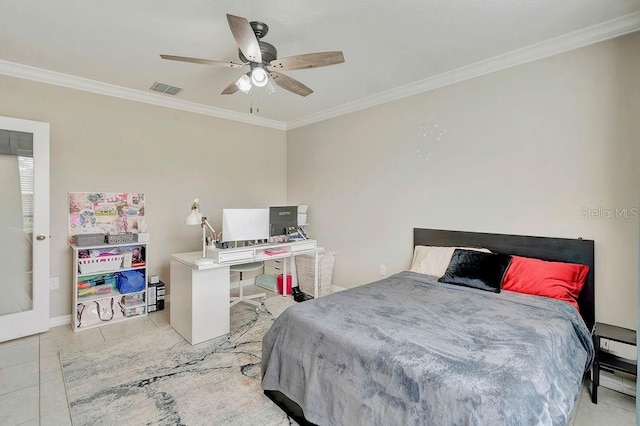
<point x="268" y="51"/>
<point x="260" y="29"/>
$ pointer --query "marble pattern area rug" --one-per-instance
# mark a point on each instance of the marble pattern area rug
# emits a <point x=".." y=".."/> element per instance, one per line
<point x="160" y="379"/>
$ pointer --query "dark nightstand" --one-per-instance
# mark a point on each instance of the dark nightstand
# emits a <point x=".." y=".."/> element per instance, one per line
<point x="607" y="360"/>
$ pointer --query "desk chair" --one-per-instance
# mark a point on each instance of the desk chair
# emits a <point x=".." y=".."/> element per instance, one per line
<point x="247" y="267"/>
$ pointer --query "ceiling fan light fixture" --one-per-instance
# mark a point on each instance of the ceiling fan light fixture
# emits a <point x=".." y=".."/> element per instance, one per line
<point x="259" y="77"/>
<point x="270" y="88"/>
<point x="244" y="83"/>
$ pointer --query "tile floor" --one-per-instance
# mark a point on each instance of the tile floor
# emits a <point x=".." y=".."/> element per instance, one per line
<point x="32" y="390"/>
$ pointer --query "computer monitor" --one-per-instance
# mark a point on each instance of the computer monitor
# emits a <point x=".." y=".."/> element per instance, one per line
<point x="245" y="224"/>
<point x="283" y="220"/>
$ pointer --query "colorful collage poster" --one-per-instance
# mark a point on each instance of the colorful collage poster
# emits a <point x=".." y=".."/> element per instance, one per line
<point x="105" y="213"/>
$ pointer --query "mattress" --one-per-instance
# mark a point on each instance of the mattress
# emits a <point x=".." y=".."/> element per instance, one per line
<point x="408" y="350"/>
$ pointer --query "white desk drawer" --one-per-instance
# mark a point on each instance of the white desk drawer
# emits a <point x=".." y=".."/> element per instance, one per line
<point x="273" y="266"/>
<point x="303" y="246"/>
<point x="233" y="256"/>
<point x="272" y="270"/>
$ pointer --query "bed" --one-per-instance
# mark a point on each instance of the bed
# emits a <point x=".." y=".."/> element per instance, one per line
<point x="411" y="350"/>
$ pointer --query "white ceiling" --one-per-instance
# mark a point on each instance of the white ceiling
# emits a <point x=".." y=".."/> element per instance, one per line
<point x="392" y="48"/>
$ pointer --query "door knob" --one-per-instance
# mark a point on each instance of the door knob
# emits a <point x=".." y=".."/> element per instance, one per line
<point x="40" y="237"/>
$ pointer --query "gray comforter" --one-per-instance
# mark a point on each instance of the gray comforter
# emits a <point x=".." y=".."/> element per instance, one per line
<point x="408" y="350"/>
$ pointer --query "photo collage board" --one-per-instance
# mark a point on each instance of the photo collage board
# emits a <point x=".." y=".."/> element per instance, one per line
<point x="106" y="213"/>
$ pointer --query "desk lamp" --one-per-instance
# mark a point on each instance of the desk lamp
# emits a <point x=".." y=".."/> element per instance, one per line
<point x="196" y="218"/>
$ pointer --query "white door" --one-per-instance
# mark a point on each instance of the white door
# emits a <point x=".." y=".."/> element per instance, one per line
<point x="24" y="227"/>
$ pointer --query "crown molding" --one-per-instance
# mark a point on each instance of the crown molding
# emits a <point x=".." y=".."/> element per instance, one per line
<point x="590" y="35"/>
<point x="27" y="72"/>
<point x="586" y="36"/>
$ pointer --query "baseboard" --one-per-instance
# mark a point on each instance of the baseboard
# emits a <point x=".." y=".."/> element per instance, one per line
<point x="336" y="288"/>
<point x="58" y="321"/>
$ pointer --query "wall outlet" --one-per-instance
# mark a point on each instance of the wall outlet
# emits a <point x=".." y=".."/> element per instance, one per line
<point x="54" y="283"/>
<point x="383" y="270"/>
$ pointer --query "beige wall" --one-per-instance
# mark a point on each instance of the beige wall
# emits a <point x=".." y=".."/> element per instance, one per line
<point x="525" y="151"/>
<point x="100" y="143"/>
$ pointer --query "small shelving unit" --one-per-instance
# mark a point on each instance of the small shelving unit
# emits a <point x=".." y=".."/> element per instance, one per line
<point x="604" y="360"/>
<point x="96" y="298"/>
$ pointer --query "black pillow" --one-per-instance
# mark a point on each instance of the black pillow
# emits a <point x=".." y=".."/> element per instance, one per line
<point x="477" y="269"/>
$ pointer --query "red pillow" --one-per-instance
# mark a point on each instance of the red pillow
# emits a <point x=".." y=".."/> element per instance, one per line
<point x="562" y="281"/>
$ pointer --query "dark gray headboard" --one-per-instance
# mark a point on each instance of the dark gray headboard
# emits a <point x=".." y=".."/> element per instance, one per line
<point x="545" y="248"/>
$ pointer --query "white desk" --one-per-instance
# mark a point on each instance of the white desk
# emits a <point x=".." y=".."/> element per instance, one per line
<point x="200" y="294"/>
<point x="199" y="308"/>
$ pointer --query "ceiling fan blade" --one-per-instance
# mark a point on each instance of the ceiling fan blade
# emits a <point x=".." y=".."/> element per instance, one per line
<point x="290" y="84"/>
<point x="231" y="89"/>
<point x="202" y="61"/>
<point x="245" y="38"/>
<point x="309" y="60"/>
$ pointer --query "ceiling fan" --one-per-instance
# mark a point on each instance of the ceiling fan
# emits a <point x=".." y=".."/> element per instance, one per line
<point x="259" y="56"/>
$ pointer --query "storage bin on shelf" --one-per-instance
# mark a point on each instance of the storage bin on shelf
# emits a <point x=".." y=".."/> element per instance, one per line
<point x="132" y="299"/>
<point x="94" y="285"/>
<point x="120" y="238"/>
<point x="132" y="304"/>
<point x="132" y="311"/>
<point x="305" y="269"/>
<point x="89" y="265"/>
<point x="83" y="240"/>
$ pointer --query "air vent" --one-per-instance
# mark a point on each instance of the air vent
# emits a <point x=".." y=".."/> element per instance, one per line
<point x="165" y="88"/>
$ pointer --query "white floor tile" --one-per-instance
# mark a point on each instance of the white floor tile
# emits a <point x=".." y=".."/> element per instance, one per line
<point x="51" y="346"/>
<point x="53" y="396"/>
<point x="33" y="422"/>
<point x="18" y="377"/>
<point x="56" y="332"/>
<point x="613" y="408"/>
<point x="19" y="407"/>
<point x="19" y="354"/>
<point x="60" y="417"/>
<point x="160" y="318"/>
<point x="50" y="368"/>
<point x="19" y="341"/>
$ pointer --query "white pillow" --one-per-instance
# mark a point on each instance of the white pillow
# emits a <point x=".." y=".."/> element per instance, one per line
<point x="434" y="260"/>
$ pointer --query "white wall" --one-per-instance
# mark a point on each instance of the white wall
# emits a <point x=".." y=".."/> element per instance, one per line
<point x="525" y="151"/>
<point x="105" y="144"/>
